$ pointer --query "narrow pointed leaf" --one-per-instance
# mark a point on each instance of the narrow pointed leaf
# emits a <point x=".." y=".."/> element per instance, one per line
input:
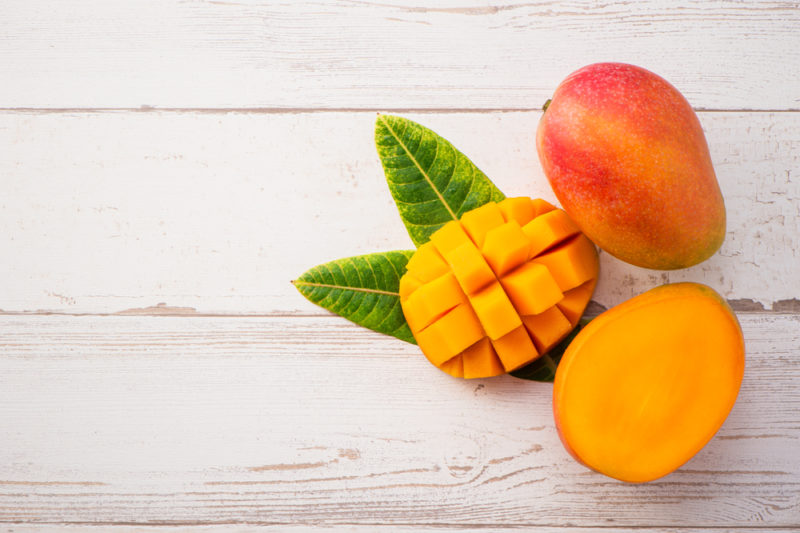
<point x="431" y="182"/>
<point x="544" y="368"/>
<point x="363" y="289"/>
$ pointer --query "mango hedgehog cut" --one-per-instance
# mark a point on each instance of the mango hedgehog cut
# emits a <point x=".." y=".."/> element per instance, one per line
<point x="498" y="288"/>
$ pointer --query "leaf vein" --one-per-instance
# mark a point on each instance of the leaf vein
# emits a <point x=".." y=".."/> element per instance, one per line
<point x="419" y="167"/>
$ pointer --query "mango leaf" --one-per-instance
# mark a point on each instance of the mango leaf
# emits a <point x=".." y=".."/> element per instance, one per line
<point x="431" y="182"/>
<point x="362" y="289"/>
<point x="544" y="368"/>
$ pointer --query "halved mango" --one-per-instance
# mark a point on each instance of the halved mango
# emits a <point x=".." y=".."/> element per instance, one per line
<point x="645" y="385"/>
<point x="477" y="303"/>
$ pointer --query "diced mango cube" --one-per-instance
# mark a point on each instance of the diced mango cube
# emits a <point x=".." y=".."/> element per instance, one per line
<point x="572" y="263"/>
<point x="575" y="301"/>
<point x="450" y="335"/>
<point x="432" y="300"/>
<point x="495" y="311"/>
<point x="478" y="221"/>
<point x="427" y="264"/>
<point x="449" y="237"/>
<point x="519" y="209"/>
<point x="480" y="360"/>
<point x="541" y="207"/>
<point x="454" y="367"/>
<point x="505" y="247"/>
<point x="531" y="288"/>
<point x="547" y="328"/>
<point x="470" y="268"/>
<point x="408" y="284"/>
<point x="548" y="230"/>
<point x="515" y="349"/>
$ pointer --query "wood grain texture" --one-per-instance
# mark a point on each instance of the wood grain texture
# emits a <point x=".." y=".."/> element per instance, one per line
<point x="182" y="213"/>
<point x="137" y="420"/>
<point x="250" y="527"/>
<point x="431" y="54"/>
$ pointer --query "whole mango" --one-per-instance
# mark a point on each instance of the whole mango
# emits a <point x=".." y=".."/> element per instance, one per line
<point x="627" y="158"/>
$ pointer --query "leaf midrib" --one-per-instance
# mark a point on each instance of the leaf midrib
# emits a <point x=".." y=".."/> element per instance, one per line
<point x="419" y="167"/>
<point x="343" y="287"/>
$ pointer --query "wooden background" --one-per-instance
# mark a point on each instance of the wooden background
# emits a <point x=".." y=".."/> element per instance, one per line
<point x="167" y="167"/>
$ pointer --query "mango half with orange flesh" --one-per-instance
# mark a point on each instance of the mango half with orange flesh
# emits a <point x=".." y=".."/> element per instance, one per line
<point x="645" y="385"/>
<point x="498" y="288"/>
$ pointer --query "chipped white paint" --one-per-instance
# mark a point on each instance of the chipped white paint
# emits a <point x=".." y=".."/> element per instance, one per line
<point x="429" y="54"/>
<point x="313" y="420"/>
<point x="108" y="212"/>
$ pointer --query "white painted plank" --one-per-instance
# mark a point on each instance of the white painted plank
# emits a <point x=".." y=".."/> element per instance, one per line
<point x="217" y="212"/>
<point x="134" y="420"/>
<point x="385" y="55"/>
<point x="260" y="527"/>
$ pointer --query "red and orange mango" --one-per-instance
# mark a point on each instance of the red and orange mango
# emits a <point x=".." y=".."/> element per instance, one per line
<point x="626" y="156"/>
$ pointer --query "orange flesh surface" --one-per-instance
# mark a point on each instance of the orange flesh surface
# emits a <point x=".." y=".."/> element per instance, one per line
<point x="497" y="289"/>
<point x="646" y="385"/>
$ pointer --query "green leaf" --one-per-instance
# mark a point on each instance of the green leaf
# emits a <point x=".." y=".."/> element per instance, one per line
<point x="431" y="182"/>
<point x="544" y="368"/>
<point x="363" y="289"/>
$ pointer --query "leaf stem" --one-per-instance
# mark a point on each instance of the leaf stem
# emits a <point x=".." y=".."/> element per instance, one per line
<point x="344" y="287"/>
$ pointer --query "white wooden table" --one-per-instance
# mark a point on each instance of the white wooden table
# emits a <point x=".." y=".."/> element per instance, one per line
<point x="168" y="166"/>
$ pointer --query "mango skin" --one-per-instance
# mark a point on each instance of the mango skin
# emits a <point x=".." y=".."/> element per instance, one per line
<point x="627" y="158"/>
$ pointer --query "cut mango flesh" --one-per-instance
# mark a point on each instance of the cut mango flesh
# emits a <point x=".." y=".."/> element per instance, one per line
<point x="644" y="386"/>
<point x="532" y="289"/>
<point x="571" y="263"/>
<point x="453" y="333"/>
<point x="470" y="268"/>
<point x="549" y="229"/>
<point x="454" y="367"/>
<point x="495" y="311"/>
<point x="480" y="303"/>
<point x="520" y="210"/>
<point x="574" y="301"/>
<point x="432" y="300"/>
<point x="480" y="360"/>
<point x="427" y="263"/>
<point x="505" y="247"/>
<point x="548" y="327"/>
<point x="448" y="238"/>
<point x="515" y="349"/>
<point x="479" y="221"/>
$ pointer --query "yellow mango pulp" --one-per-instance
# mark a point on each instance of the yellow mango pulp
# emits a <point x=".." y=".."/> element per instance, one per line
<point x="496" y="289"/>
